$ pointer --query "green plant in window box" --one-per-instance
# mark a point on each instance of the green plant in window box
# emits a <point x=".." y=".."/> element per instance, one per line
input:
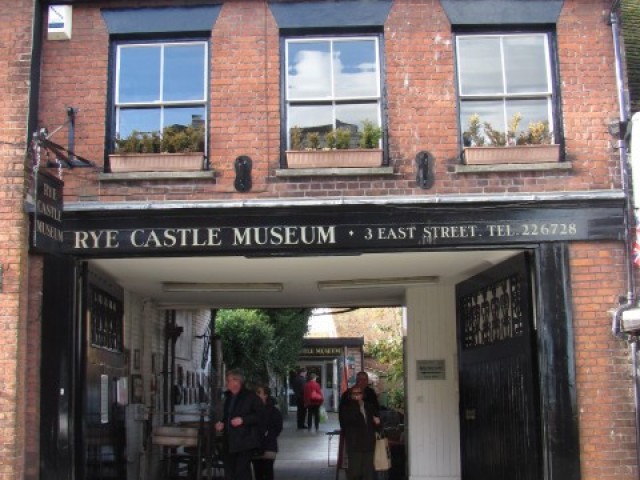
<point x="174" y="139"/>
<point x="180" y="139"/>
<point x="139" y="142"/>
<point x="313" y="140"/>
<point x="371" y="135"/>
<point x="333" y="149"/>
<point x="179" y="148"/>
<point x="331" y="139"/>
<point x="486" y="145"/>
<point x="343" y="138"/>
<point x="537" y="134"/>
<point x="296" y="138"/>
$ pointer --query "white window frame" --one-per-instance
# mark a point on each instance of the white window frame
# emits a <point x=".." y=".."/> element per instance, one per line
<point x="332" y="100"/>
<point x="161" y="103"/>
<point x="504" y="97"/>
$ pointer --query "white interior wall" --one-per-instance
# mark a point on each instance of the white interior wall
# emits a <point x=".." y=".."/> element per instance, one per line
<point x="191" y="364"/>
<point x="144" y="332"/>
<point x="432" y="405"/>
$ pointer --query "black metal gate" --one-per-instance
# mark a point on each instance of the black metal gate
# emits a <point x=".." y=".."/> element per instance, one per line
<point x="499" y="421"/>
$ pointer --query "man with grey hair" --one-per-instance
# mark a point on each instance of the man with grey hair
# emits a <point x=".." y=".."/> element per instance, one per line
<point x="240" y="420"/>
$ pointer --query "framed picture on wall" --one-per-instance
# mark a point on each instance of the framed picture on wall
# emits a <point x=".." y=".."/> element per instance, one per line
<point x="184" y="319"/>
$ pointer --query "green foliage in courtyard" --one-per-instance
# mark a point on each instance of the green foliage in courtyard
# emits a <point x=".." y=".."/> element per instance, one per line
<point x="262" y="342"/>
<point x="390" y="351"/>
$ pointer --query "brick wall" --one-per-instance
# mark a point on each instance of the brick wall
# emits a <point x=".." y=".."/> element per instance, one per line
<point x="15" y="58"/>
<point x="244" y="119"/>
<point x="603" y="364"/>
<point x="30" y="400"/>
<point x="420" y="78"/>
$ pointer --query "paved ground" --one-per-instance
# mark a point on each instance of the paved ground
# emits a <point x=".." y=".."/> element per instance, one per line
<point x="307" y="455"/>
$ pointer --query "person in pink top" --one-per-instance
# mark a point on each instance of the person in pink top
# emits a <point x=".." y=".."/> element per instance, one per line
<point x="313" y="399"/>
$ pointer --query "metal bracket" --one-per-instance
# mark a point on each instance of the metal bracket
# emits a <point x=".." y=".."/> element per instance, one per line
<point x="243" y="173"/>
<point x="424" y="169"/>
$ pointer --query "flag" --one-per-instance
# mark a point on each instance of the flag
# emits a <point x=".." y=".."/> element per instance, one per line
<point x="636" y="248"/>
<point x="344" y="383"/>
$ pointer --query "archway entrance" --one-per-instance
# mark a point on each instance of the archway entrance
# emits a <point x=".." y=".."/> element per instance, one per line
<point x="195" y="260"/>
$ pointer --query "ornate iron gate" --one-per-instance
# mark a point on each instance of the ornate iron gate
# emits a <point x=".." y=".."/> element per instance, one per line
<point x="500" y="428"/>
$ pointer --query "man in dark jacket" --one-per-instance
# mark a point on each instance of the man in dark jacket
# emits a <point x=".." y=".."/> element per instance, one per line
<point x="297" y="385"/>
<point x="242" y="413"/>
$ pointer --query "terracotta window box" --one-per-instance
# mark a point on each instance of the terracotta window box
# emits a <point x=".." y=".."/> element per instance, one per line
<point x="354" y="158"/>
<point x="156" y="162"/>
<point x="515" y="154"/>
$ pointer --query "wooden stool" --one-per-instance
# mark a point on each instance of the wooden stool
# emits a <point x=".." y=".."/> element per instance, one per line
<point x="171" y="438"/>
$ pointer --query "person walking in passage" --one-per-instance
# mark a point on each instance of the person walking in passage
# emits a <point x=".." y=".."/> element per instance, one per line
<point x="313" y="398"/>
<point x="297" y="384"/>
<point x="269" y="428"/>
<point x="369" y="394"/>
<point x="242" y="413"/>
<point x="358" y="422"/>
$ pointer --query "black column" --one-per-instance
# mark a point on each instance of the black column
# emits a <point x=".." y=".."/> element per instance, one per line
<point x="559" y="409"/>
<point x="57" y="392"/>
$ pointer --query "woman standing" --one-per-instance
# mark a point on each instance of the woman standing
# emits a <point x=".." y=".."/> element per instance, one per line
<point x="358" y="422"/>
<point x="270" y="427"/>
<point x="313" y="398"/>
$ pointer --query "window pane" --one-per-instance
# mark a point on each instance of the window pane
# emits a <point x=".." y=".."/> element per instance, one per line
<point x="531" y="111"/>
<point x="353" y="116"/>
<point x="356" y="114"/>
<point x="177" y="136"/>
<point x="480" y="65"/>
<point x="525" y="64"/>
<point x="487" y="111"/>
<point x="308" y="70"/>
<point x="184" y="72"/>
<point x="139" y="119"/>
<point x="139" y="74"/>
<point x="184" y="116"/>
<point x="355" y="68"/>
<point x="316" y="118"/>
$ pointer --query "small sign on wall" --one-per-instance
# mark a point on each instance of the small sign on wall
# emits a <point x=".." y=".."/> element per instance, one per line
<point x="430" y="370"/>
<point x="59" y="22"/>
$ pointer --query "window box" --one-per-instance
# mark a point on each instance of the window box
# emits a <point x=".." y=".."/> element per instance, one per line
<point x="354" y="158"/>
<point x="514" y="154"/>
<point x="156" y="162"/>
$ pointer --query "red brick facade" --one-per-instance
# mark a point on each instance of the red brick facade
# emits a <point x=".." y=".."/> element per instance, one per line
<point x="15" y="37"/>
<point x="244" y="119"/>
<point x="245" y="115"/>
<point x="607" y="425"/>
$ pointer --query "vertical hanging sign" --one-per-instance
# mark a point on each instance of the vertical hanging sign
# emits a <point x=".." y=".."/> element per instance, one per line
<point x="46" y="227"/>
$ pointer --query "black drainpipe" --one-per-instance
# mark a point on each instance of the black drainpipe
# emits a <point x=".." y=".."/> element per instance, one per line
<point x="34" y="76"/>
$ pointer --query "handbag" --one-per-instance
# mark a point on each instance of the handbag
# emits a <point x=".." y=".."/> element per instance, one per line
<point x="382" y="455"/>
<point x="316" y="397"/>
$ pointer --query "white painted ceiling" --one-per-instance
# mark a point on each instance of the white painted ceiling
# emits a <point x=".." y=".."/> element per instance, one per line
<point x="299" y="276"/>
